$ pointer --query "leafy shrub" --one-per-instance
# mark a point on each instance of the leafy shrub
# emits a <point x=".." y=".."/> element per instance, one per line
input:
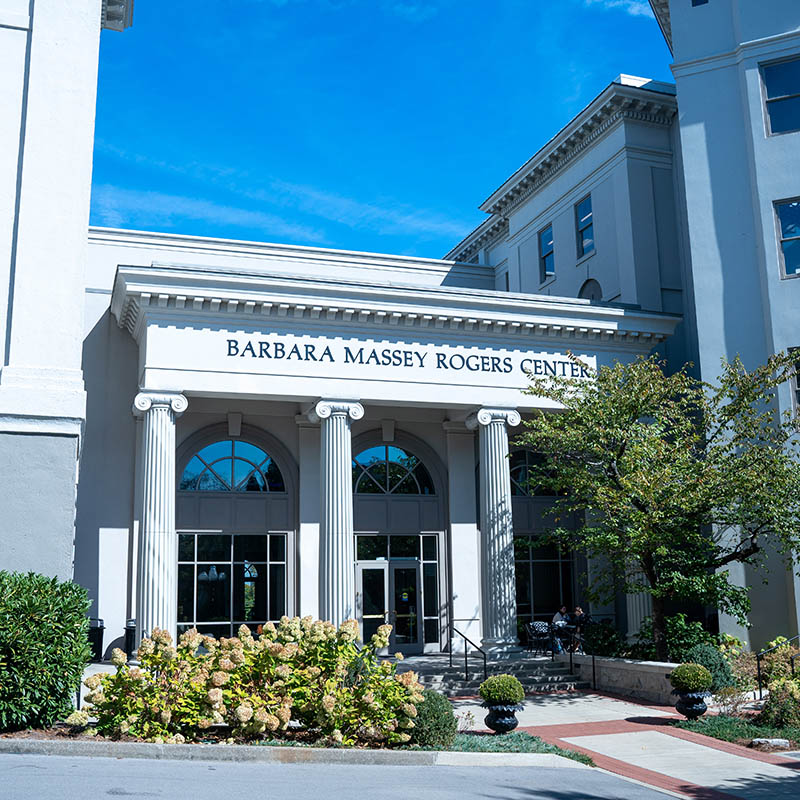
<point x="501" y="690"/>
<point x="603" y="639"/>
<point x="300" y="669"/>
<point x="43" y="648"/>
<point x="682" y="635"/>
<point x="730" y="646"/>
<point x="435" y="724"/>
<point x="777" y="664"/>
<point x="782" y="707"/>
<point x="690" y="678"/>
<point x="743" y="667"/>
<point x="731" y="700"/>
<point x="711" y="658"/>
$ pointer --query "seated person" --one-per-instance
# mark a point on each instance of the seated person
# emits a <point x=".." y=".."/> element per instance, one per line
<point x="561" y="617"/>
<point x="578" y="619"/>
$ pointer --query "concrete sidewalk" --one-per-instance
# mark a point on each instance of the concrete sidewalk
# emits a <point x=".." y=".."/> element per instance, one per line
<point x="636" y="741"/>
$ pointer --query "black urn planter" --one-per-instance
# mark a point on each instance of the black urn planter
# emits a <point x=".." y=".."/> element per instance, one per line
<point x="691" y="704"/>
<point x="502" y="717"/>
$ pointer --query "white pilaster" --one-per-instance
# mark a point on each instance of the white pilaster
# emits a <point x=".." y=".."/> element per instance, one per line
<point x="337" y="548"/>
<point x="157" y="586"/>
<point x="465" y="612"/>
<point x="309" y="506"/>
<point x="497" y="531"/>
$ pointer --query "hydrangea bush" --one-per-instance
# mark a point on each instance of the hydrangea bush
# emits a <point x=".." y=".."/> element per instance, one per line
<point x="299" y="670"/>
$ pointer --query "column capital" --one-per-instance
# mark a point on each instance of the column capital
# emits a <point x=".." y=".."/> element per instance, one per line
<point x="145" y="400"/>
<point x="486" y="416"/>
<point x="327" y="408"/>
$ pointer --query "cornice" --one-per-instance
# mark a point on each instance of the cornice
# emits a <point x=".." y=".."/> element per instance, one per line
<point x="485" y="235"/>
<point x="621" y="103"/>
<point x="661" y="13"/>
<point x="142" y="292"/>
<point x="117" y="14"/>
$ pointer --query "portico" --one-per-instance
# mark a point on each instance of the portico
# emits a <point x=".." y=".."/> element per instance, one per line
<point x="384" y="482"/>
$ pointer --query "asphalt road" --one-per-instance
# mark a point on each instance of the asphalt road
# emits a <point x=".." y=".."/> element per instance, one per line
<point x="67" y="778"/>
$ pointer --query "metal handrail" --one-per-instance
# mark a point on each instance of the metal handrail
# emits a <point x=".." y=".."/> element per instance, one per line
<point x="762" y="653"/>
<point x="572" y="649"/>
<point x="467" y="641"/>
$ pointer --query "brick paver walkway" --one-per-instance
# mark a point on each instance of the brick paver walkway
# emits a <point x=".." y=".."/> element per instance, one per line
<point x="636" y="741"/>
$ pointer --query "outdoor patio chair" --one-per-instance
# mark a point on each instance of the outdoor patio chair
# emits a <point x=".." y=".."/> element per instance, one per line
<point x="540" y="637"/>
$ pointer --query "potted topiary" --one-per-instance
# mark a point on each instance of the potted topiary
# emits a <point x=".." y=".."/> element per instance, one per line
<point x="691" y="682"/>
<point x="502" y="695"/>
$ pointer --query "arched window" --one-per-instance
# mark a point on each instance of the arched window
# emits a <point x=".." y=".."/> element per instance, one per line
<point x="387" y="469"/>
<point x="231" y="466"/>
<point x="591" y="290"/>
<point x="522" y="461"/>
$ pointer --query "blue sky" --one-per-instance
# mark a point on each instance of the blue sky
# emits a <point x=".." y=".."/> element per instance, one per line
<point x="375" y="125"/>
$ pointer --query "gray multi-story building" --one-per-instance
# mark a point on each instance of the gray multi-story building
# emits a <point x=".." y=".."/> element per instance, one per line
<point x="683" y="199"/>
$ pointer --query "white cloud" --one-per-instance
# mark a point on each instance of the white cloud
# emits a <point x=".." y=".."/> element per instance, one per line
<point x="386" y="217"/>
<point x="636" y="8"/>
<point x="412" y="11"/>
<point x="116" y="206"/>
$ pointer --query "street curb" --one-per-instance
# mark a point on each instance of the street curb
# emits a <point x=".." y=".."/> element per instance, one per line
<point x="281" y="755"/>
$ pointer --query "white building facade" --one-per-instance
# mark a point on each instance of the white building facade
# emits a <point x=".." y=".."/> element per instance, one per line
<point x="317" y="432"/>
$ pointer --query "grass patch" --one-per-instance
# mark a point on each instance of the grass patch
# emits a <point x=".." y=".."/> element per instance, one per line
<point x="738" y="729"/>
<point x="514" y="742"/>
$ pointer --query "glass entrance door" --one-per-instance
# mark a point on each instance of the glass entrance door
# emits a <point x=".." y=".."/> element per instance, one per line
<point x="405" y="612"/>
<point x="390" y="592"/>
<point x="372" y="595"/>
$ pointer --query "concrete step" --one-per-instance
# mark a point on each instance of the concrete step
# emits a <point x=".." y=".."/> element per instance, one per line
<point x="523" y="675"/>
<point x="476" y="674"/>
<point x="470" y="691"/>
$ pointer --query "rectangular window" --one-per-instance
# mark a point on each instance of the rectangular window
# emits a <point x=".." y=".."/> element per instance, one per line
<point x="788" y="213"/>
<point x="584" y="227"/>
<point x="546" y="258"/>
<point x="782" y="88"/>
<point x="227" y="580"/>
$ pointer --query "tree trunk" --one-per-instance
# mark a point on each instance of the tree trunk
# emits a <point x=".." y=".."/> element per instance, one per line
<point x="660" y="629"/>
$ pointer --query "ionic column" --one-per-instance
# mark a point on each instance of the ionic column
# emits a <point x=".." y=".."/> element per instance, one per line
<point x="157" y="583"/>
<point x="337" y="548"/>
<point x="497" y="531"/>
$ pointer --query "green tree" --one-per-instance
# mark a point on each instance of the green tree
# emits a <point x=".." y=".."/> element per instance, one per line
<point x="679" y="478"/>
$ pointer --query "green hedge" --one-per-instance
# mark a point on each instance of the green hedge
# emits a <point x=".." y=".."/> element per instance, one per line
<point x="436" y="724"/>
<point x="43" y="648"/>
<point x="716" y="663"/>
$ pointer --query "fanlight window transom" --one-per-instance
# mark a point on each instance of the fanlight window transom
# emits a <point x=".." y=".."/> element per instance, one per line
<point x="522" y="461"/>
<point x="387" y="469"/>
<point x="232" y="466"/>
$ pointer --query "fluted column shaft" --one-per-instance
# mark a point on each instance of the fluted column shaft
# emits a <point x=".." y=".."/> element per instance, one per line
<point x="337" y="547"/>
<point x="497" y="530"/>
<point x="157" y="583"/>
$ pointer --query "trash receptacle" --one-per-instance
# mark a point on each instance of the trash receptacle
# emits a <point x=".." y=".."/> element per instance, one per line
<point x="130" y="638"/>
<point x="96" y="629"/>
